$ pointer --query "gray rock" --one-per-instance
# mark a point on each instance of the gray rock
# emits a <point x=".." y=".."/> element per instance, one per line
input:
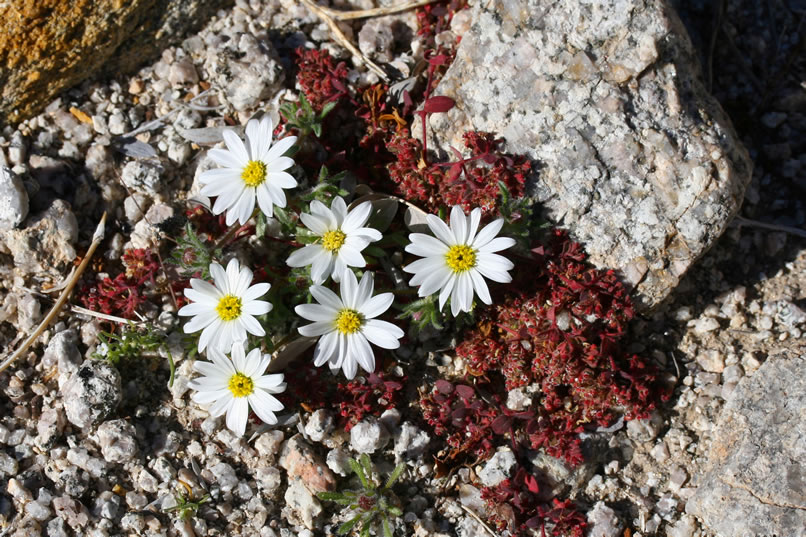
<point x="319" y="425"/>
<point x="13" y="199"/>
<point x="49" y="427"/>
<point x="63" y="352"/>
<point x="338" y="460"/>
<point x="183" y="72"/>
<point x="72" y="511"/>
<point x="8" y="465"/>
<point x="498" y="468"/>
<point x="301" y="506"/>
<point x="225" y="476"/>
<point x="143" y="177"/>
<point x="248" y="74"/>
<point x="46" y="243"/>
<point x="635" y="158"/>
<point x="368" y="436"/>
<point x="753" y="480"/>
<point x="410" y="442"/>
<point x="92" y="393"/>
<point x="603" y="522"/>
<point x="117" y="440"/>
<point x="107" y="504"/>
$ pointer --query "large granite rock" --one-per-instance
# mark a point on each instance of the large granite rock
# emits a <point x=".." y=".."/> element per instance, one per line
<point x="633" y="155"/>
<point x="47" y="46"/>
<point x="755" y="479"/>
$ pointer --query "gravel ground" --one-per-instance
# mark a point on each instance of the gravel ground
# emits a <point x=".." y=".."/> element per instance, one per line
<point x="744" y="301"/>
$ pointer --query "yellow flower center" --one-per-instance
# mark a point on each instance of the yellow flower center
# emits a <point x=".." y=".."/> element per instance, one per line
<point x="348" y="321"/>
<point x="229" y="308"/>
<point x="333" y="240"/>
<point x="240" y="385"/>
<point x="254" y="173"/>
<point x="461" y="258"/>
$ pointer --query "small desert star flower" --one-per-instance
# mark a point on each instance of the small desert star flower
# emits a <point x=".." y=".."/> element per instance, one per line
<point x="458" y="259"/>
<point x="225" y="311"/>
<point x="347" y="324"/>
<point x="342" y="239"/>
<point x="255" y="170"/>
<point x="232" y="386"/>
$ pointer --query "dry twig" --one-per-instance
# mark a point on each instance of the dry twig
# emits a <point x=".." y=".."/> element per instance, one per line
<point x="97" y="237"/>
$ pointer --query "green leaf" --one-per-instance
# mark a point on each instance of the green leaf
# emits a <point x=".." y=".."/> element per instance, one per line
<point x="375" y="251"/>
<point x="331" y="496"/>
<point x="260" y="226"/>
<point x="359" y="471"/>
<point x="365" y="530"/>
<point x="387" y="531"/>
<point x="327" y="108"/>
<point x="394" y="511"/>
<point x="347" y="526"/>
<point x="317" y="129"/>
<point x="367" y="464"/>
<point x="394" y="476"/>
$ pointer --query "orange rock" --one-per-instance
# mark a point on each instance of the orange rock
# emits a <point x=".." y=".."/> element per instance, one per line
<point x="47" y="46"/>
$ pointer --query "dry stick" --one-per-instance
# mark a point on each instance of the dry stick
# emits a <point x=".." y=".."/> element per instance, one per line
<point x="97" y="237"/>
<point x="478" y="519"/>
<point x="374" y="12"/>
<point x="741" y="221"/>
<point x="343" y="41"/>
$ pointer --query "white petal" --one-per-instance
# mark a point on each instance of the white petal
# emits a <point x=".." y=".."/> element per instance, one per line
<point x="475" y="219"/>
<point x="348" y="289"/>
<point x="304" y="256"/>
<point x="376" y="305"/>
<point x="447" y="290"/>
<point x="280" y="164"/>
<point x="281" y="179"/>
<point x="276" y="193"/>
<point x="426" y="245"/>
<point x="252" y="325"/>
<point x="264" y="200"/>
<point x="314" y="312"/>
<point x="351" y="257"/>
<point x="245" y="205"/>
<point x="339" y="268"/>
<point x="237" y="415"/>
<point x="222" y="405"/>
<point x="339" y="209"/>
<point x="253" y="138"/>
<point x="264" y="405"/>
<point x="362" y="351"/>
<point x="498" y="244"/>
<point x="279" y="149"/>
<point x="315" y="223"/>
<point x="459" y="225"/>
<point x="200" y="321"/>
<point x="220" y="278"/>
<point x="322" y="266"/>
<point x="222" y="362"/>
<point x="433" y="281"/>
<point x="219" y="176"/>
<point x="319" y="328"/>
<point x="252" y="362"/>
<point x="487" y="233"/>
<point x="226" y="158"/>
<point x="205" y="288"/>
<point x="209" y="334"/>
<point x="494" y="267"/>
<point x="256" y="291"/>
<point x="366" y="234"/>
<point x="464" y="291"/>
<point x="326" y="348"/>
<point x="205" y="397"/>
<point x="235" y="145"/>
<point x="440" y="229"/>
<point x="357" y="217"/>
<point x="229" y="198"/>
<point x="480" y="286"/>
<point x="326" y="297"/>
<point x="233" y="275"/>
<point x="238" y="356"/>
<point x="265" y="134"/>
<point x="382" y="334"/>
<point x="196" y="308"/>
<point x="271" y="383"/>
<point x="365" y="288"/>
<point x="425" y="266"/>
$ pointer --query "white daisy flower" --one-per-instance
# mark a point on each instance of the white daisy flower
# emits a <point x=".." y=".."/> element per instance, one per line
<point x="343" y="238"/>
<point x="232" y="386"/>
<point x="252" y="170"/>
<point x="225" y="312"/>
<point x="458" y="259"/>
<point x="347" y="324"/>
